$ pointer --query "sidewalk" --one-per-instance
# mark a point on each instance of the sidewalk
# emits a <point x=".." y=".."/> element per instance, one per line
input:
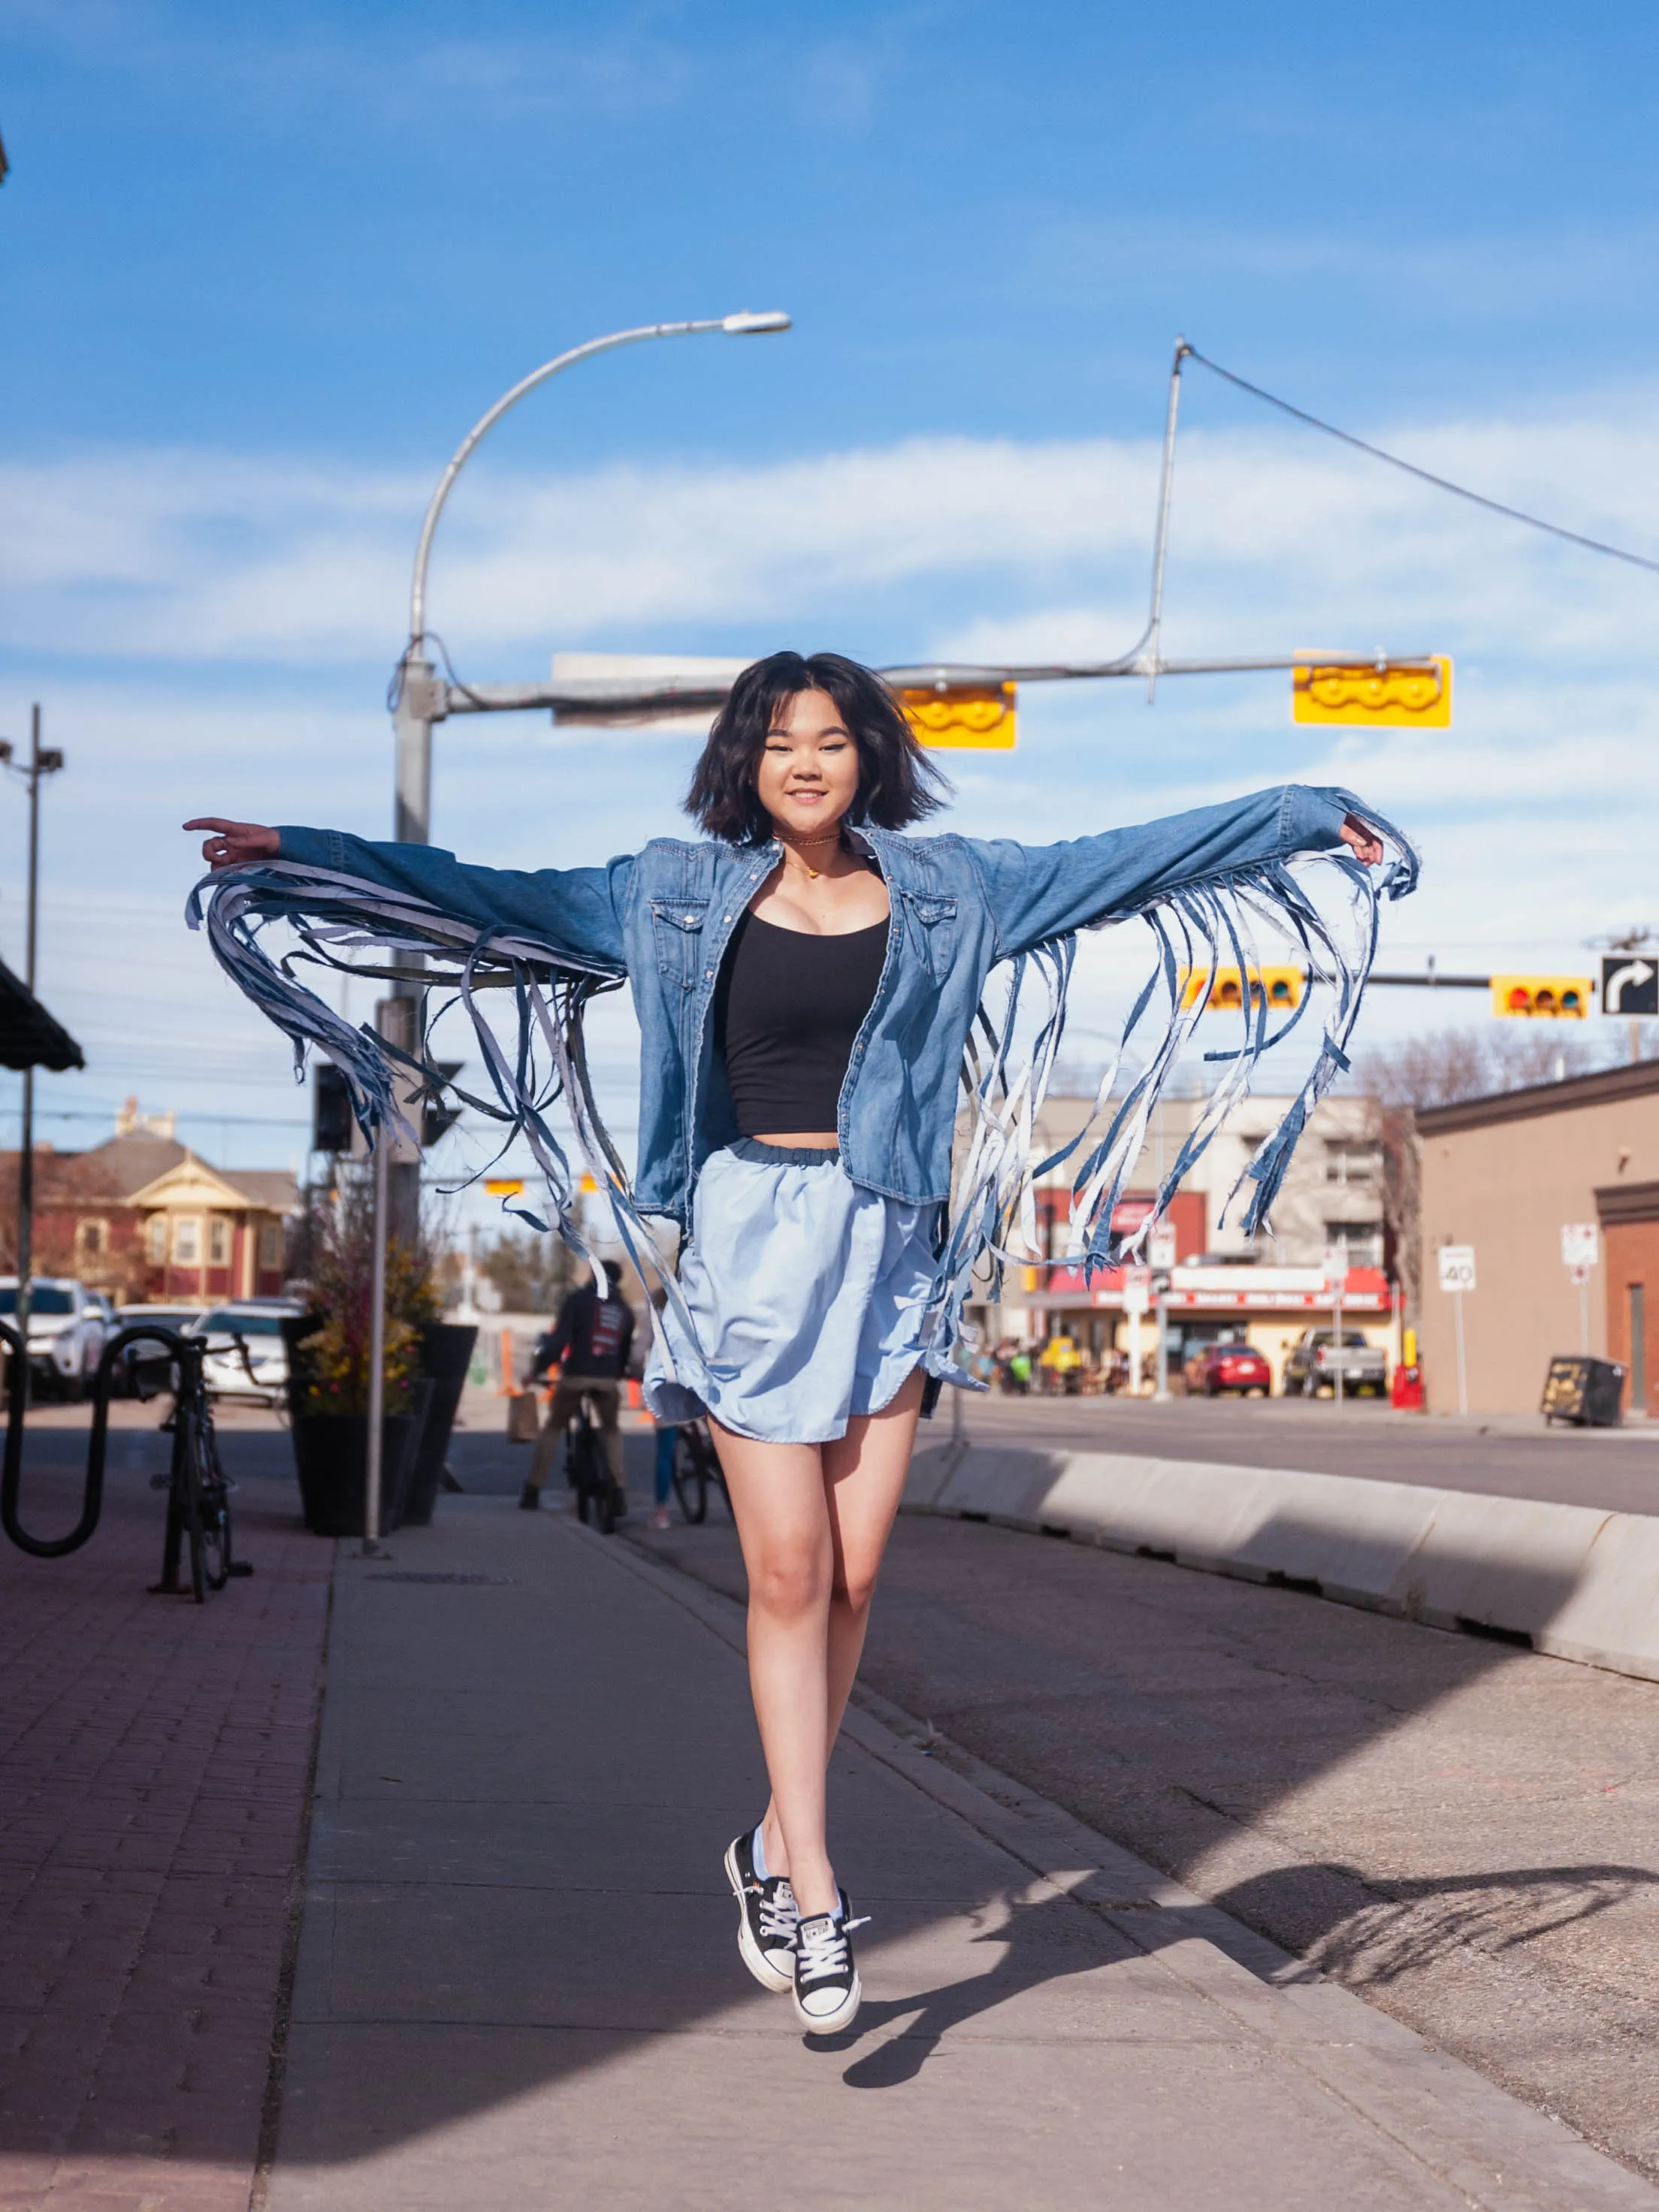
<point x="517" y="1984"/>
<point x="155" y="1759"/>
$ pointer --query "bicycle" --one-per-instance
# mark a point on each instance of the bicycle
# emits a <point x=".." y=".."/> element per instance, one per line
<point x="198" y="1492"/>
<point x="587" y="1470"/>
<point x="696" y="1470"/>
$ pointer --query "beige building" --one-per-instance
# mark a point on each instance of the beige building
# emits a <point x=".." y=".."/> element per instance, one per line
<point x="1505" y="1174"/>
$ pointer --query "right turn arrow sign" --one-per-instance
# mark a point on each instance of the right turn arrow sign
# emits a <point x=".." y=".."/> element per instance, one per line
<point x="1629" y="986"/>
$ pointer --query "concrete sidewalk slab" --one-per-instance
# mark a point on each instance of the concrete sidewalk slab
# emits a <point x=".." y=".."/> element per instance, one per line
<point x="518" y="1982"/>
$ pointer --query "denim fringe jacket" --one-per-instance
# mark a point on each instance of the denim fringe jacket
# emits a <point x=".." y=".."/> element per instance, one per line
<point x="961" y="907"/>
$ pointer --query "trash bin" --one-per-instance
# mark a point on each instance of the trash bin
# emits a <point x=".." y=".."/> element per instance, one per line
<point x="1588" y="1392"/>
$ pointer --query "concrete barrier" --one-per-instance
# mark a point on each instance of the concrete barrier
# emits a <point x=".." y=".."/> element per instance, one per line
<point x="1568" y="1579"/>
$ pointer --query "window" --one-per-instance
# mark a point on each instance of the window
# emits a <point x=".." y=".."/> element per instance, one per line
<point x="155" y="1239"/>
<point x="44" y="1298"/>
<point x="1359" y="1241"/>
<point x="218" y="1242"/>
<point x="187" y="1240"/>
<point x="271" y="1248"/>
<point x="223" y="1319"/>
<point x="91" y="1238"/>
<point x="1352" y="1163"/>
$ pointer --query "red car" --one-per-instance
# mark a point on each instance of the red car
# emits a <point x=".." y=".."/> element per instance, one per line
<point x="1219" y="1367"/>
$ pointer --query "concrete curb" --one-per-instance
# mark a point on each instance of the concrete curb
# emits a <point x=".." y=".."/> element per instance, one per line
<point x="1571" y="1580"/>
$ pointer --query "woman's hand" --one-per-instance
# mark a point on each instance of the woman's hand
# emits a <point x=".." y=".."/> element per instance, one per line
<point x="1367" y="848"/>
<point x="233" y="843"/>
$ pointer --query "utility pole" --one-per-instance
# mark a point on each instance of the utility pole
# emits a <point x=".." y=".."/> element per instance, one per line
<point x="40" y="763"/>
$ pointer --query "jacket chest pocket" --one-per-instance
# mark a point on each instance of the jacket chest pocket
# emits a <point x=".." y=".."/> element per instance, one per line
<point x="677" y="926"/>
<point x="932" y="924"/>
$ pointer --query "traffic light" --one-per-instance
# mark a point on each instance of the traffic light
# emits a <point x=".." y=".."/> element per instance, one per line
<point x="437" y="1118"/>
<point x="331" y="1122"/>
<point x="980" y="716"/>
<point x="1547" y="998"/>
<point x="1383" y="694"/>
<point x="1283" y="987"/>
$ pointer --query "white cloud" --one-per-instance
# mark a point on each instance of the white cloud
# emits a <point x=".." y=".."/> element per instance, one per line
<point x="1277" y="542"/>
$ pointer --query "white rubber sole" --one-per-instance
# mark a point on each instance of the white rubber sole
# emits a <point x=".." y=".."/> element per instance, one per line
<point x="832" y="2023"/>
<point x="768" y="1977"/>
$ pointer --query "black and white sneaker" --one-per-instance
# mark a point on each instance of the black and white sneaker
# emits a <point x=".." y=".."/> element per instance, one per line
<point x="827" y="1987"/>
<point x="767" y="1917"/>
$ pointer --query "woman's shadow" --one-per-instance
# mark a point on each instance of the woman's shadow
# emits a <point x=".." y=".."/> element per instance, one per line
<point x="1385" y="1931"/>
<point x="1044" y="1942"/>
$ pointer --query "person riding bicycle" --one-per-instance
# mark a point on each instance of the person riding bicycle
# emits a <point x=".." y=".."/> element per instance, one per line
<point x="591" y="1338"/>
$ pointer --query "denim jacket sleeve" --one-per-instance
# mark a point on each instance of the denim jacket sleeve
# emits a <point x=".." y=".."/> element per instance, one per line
<point x="1036" y="892"/>
<point x="577" y="911"/>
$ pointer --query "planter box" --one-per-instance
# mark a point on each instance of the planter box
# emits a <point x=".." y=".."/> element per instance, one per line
<point x="330" y="1451"/>
<point x="330" y="1456"/>
<point x="446" y="1355"/>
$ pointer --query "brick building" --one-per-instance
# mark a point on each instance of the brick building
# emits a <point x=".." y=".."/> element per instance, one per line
<point x="140" y="1217"/>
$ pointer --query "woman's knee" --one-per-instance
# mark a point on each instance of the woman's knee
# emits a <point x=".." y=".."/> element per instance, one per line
<point x="790" y="1580"/>
<point x="855" y="1585"/>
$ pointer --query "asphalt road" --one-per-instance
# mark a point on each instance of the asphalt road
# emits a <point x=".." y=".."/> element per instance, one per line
<point x="1462" y="1833"/>
<point x="1505" y="1455"/>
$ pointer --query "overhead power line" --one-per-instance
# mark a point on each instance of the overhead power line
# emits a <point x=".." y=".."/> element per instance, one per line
<point x="1423" y="476"/>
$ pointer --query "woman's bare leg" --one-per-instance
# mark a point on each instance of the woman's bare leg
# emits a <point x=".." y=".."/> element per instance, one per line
<point x="864" y="1473"/>
<point x="863" y="1480"/>
<point x="778" y="1498"/>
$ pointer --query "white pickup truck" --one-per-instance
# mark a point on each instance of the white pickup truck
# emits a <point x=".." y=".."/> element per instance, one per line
<point x="69" y="1326"/>
<point x="1312" y="1365"/>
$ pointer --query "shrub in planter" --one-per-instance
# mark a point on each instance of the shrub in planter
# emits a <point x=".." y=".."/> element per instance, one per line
<point x="329" y="1366"/>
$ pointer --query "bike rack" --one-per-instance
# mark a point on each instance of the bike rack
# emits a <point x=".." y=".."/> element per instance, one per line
<point x="92" y="1496"/>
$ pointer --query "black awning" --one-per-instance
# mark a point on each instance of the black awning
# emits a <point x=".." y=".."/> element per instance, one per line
<point x="28" y="1036"/>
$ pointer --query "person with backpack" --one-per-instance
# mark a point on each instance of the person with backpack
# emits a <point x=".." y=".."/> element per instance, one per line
<point x="589" y="1344"/>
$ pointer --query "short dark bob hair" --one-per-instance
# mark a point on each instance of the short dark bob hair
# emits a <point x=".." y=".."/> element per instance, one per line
<point x="897" y="782"/>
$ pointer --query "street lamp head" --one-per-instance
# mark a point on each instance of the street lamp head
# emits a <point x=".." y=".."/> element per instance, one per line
<point x="5" y="749"/>
<point x="750" y="323"/>
<point x="50" y="762"/>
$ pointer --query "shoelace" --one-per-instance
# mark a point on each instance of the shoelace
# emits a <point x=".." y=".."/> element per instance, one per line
<point x="778" y="1915"/>
<point x="823" y="1948"/>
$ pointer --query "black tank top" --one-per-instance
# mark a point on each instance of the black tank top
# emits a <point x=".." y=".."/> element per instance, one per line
<point x="787" y="1009"/>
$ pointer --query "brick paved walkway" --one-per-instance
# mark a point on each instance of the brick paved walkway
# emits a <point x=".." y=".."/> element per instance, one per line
<point x="154" y="1762"/>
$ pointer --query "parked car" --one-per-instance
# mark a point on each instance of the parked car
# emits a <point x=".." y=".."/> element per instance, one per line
<point x="262" y="1378"/>
<point x="68" y="1325"/>
<point x="181" y="1319"/>
<point x="1214" y="1367"/>
<point x="1312" y="1365"/>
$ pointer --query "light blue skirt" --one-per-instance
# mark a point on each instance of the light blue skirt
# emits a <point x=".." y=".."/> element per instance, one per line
<point x="810" y="1301"/>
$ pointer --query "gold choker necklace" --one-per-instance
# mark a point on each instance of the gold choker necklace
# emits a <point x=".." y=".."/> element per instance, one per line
<point x="799" y="845"/>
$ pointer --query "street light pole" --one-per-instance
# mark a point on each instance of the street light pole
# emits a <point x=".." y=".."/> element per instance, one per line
<point x="40" y="763"/>
<point x="416" y="695"/>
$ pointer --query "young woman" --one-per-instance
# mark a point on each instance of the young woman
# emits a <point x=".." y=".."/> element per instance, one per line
<point x="806" y="980"/>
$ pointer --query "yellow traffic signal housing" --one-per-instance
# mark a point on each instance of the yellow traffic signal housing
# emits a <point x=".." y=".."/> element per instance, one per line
<point x="1283" y="987"/>
<point x="1548" y="997"/>
<point x="980" y="716"/>
<point x="1389" y="694"/>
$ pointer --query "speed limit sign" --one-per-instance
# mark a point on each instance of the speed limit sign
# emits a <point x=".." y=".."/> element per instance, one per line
<point x="1457" y="1267"/>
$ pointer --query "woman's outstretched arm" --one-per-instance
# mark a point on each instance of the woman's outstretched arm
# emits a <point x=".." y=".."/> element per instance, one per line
<point x="1040" y="891"/>
<point x="573" y="910"/>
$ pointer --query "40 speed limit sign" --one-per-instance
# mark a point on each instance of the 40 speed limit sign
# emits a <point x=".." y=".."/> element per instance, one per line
<point x="1457" y="1267"/>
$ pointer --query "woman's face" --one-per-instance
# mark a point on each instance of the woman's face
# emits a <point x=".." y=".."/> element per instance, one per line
<point x="808" y="775"/>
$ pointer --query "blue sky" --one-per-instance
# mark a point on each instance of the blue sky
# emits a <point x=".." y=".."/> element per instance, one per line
<point x="260" y="269"/>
